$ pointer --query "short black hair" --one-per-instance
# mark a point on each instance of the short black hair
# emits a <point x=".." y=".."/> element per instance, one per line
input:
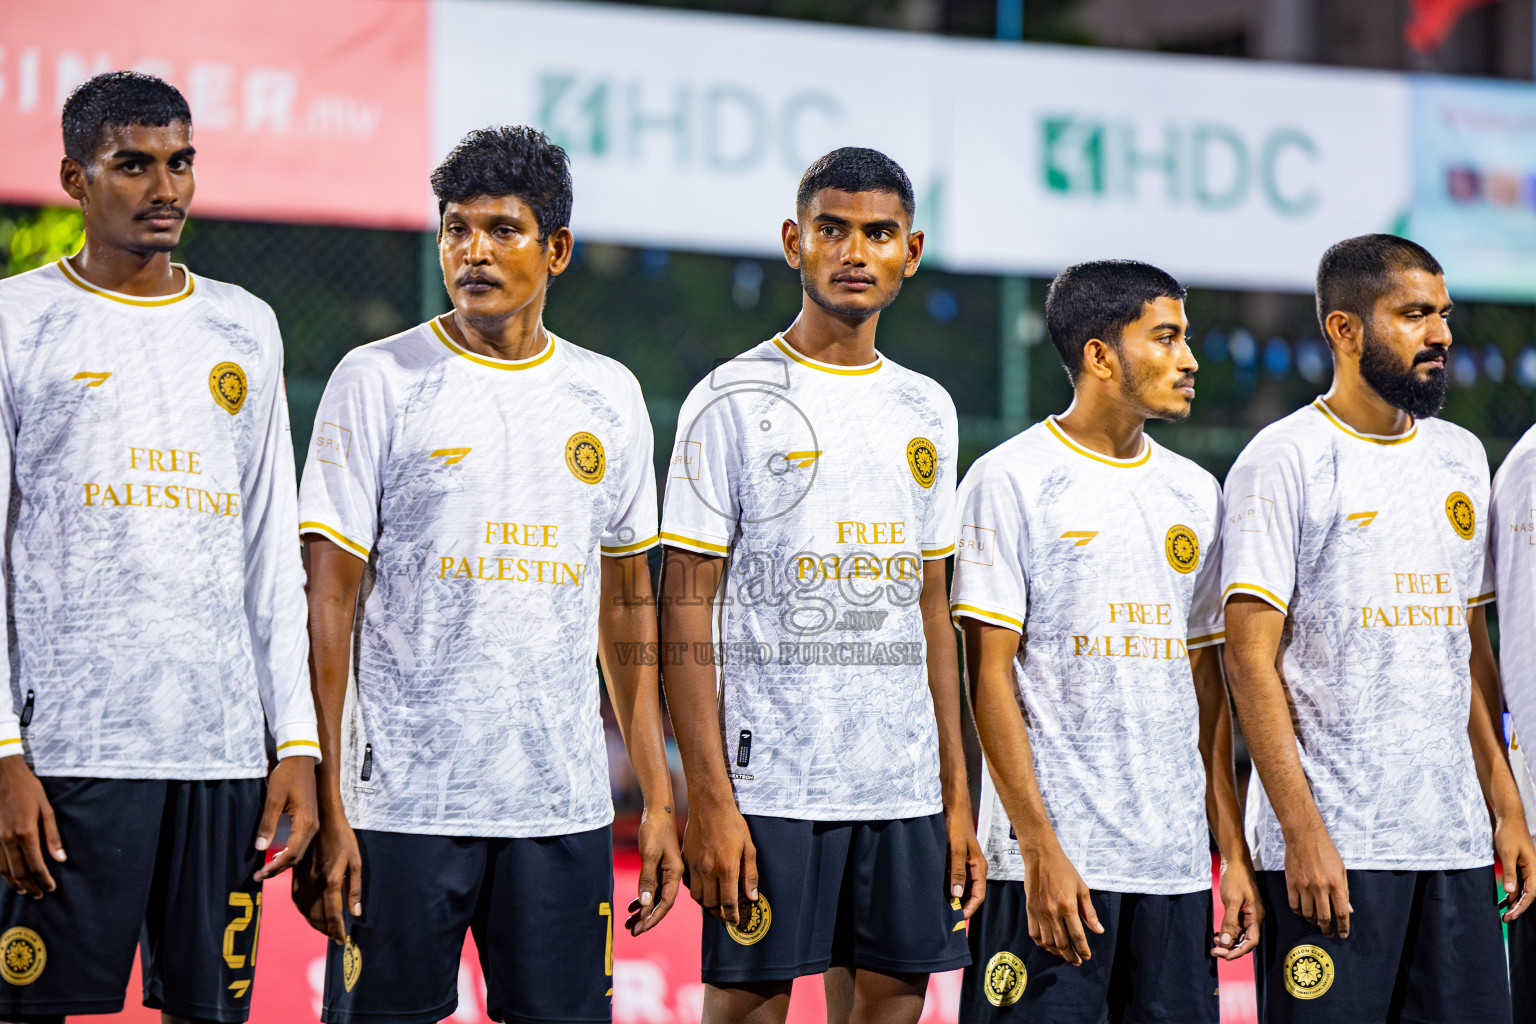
<point x="854" y="169"/>
<point x="1356" y="272"/>
<point x="508" y="160"/>
<point x="115" y="99"/>
<point x="1099" y="299"/>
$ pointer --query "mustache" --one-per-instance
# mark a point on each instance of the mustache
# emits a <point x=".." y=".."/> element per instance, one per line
<point x="1428" y="354"/>
<point x="156" y="212"/>
<point x="476" y="277"/>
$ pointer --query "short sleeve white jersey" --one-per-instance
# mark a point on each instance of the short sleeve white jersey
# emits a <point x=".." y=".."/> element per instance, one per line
<point x="155" y="586"/>
<point x="483" y="494"/>
<point x="1109" y="569"/>
<point x="1511" y="574"/>
<point x="826" y="487"/>
<point x="1373" y="548"/>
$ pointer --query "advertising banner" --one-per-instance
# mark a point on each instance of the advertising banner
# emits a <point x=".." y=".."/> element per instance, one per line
<point x="302" y="111"/>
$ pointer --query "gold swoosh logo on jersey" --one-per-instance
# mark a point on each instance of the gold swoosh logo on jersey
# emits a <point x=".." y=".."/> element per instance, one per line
<point x="450" y="456"/>
<point x="1361" y="518"/>
<point x="1083" y="536"/>
<point x="801" y="459"/>
<point x="96" y="379"/>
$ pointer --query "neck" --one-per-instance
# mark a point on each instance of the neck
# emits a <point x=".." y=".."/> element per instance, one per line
<point x="520" y="336"/>
<point x="145" y="274"/>
<point x="1355" y="402"/>
<point x="830" y="337"/>
<point x="1107" y="427"/>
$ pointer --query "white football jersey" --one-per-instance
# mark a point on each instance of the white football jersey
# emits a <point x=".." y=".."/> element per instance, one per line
<point x="826" y="488"/>
<point x="152" y="562"/>
<point x="1109" y="569"/>
<point x="482" y="493"/>
<point x="1511" y="573"/>
<point x="1373" y="547"/>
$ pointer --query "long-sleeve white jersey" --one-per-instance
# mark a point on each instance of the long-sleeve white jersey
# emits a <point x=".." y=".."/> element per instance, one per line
<point x="151" y="559"/>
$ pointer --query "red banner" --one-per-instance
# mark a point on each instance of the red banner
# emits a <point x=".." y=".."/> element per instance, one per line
<point x="301" y="111"/>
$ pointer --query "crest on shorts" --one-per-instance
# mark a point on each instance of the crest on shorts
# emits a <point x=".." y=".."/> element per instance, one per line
<point x="227" y="382"/>
<point x="22" y="956"/>
<point x="1005" y="979"/>
<point x="1308" y="971"/>
<point x="351" y="963"/>
<point x="923" y="460"/>
<point x="759" y="919"/>
<point x="584" y="456"/>
<point x="1182" y="548"/>
<point x="1463" y="517"/>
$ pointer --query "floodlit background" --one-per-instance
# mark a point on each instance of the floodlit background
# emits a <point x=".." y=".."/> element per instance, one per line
<point x="1229" y="141"/>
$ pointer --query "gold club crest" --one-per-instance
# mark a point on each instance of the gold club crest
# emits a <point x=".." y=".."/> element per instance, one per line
<point x="351" y="963"/>
<point x="584" y="455"/>
<point x="227" y="382"/>
<point x="1463" y="517"/>
<point x="22" y="956"/>
<point x="1308" y="971"/>
<point x="759" y="919"/>
<point x="1183" y="548"/>
<point x="1005" y="979"/>
<point x="923" y="460"/>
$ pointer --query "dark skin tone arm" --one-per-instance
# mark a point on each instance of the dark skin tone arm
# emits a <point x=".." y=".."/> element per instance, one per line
<point x="1244" y="911"/>
<point x="1512" y="844"/>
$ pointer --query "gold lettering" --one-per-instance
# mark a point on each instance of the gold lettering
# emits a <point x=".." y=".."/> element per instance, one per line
<point x="91" y="491"/>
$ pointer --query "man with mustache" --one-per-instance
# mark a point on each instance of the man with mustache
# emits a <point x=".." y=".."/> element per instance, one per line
<point x="1087" y="585"/>
<point x="1353" y="557"/>
<point x="809" y="512"/>
<point x="155" y="596"/>
<point x="483" y="490"/>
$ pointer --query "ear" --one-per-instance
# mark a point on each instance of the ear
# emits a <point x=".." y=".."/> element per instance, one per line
<point x="790" y="232"/>
<point x="1346" y="332"/>
<point x="72" y="179"/>
<point x="1100" y="360"/>
<point x="562" y="244"/>
<point x="914" y="253"/>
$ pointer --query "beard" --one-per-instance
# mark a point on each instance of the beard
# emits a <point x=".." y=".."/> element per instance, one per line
<point x="1398" y="385"/>
<point x="831" y="305"/>
<point x="1136" y="386"/>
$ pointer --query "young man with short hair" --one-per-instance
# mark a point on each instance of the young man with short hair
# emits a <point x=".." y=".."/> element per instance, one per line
<point x="807" y="518"/>
<point x="483" y="490"/>
<point x="1353" y="554"/>
<point x="155" y="592"/>
<point x="1087" y="587"/>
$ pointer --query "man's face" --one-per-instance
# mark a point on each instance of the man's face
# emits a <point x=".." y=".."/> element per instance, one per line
<point x="853" y="249"/>
<point x="1403" y="345"/>
<point x="1159" y="367"/>
<point x="494" y="265"/>
<point x="135" y="191"/>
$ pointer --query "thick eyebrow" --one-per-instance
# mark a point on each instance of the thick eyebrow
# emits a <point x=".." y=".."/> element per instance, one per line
<point x="1425" y="307"/>
<point x="1169" y="325"/>
<point x="827" y="218"/>
<point x="880" y="225"/>
<point x="139" y="154"/>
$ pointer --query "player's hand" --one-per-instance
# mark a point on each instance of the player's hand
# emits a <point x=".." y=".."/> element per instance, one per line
<point x="26" y="826"/>
<point x="661" y="871"/>
<point x="967" y="864"/>
<point x="1244" y="910"/>
<point x="1315" y="882"/>
<point x="291" y="791"/>
<point x="1059" y="904"/>
<point x="1517" y="856"/>
<point x="722" y="862"/>
<point x="328" y="879"/>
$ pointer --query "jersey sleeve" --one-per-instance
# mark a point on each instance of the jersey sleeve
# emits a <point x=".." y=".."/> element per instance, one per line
<point x="274" y="576"/>
<point x="991" y="581"/>
<point x="700" y="509"/>
<point x="1480" y="580"/>
<point x="10" y="725"/>
<point x="936" y="534"/>
<point x="1261" y="531"/>
<point x="1206" y="622"/>
<point x="343" y="469"/>
<point x="633" y="528"/>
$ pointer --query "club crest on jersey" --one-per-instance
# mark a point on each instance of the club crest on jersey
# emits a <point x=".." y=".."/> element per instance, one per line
<point x="351" y="963"/>
<point x="923" y="460"/>
<point x="584" y="456"/>
<point x="1308" y="971"/>
<point x="23" y="955"/>
<point x="1463" y="517"/>
<point x="759" y="920"/>
<point x="227" y="382"/>
<point x="1005" y="979"/>
<point x="1182" y="548"/>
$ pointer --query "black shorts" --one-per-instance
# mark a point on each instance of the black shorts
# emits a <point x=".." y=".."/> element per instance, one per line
<point x="171" y="862"/>
<point x="872" y="895"/>
<point x="1152" y="965"/>
<point x="1522" y="965"/>
<point x="1424" y="947"/>
<point x="541" y="910"/>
